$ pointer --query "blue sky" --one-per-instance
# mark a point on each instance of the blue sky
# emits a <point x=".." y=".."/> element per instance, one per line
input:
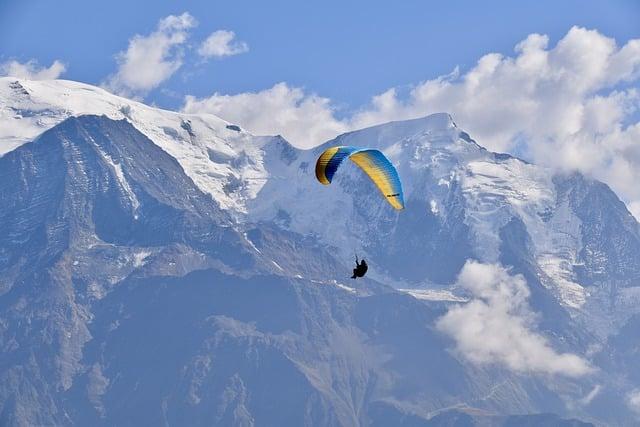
<point x="346" y="51"/>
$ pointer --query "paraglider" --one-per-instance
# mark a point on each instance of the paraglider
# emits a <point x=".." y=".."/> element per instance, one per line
<point x="383" y="174"/>
<point x="379" y="169"/>
<point x="361" y="268"/>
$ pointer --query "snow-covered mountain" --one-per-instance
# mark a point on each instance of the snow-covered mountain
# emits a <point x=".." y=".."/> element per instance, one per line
<point x="582" y="244"/>
<point x="212" y="152"/>
<point x="159" y="267"/>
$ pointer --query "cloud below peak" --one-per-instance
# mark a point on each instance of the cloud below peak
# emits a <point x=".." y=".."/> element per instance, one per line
<point x="496" y="326"/>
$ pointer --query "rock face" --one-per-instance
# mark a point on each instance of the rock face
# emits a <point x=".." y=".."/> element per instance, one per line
<point x="158" y="268"/>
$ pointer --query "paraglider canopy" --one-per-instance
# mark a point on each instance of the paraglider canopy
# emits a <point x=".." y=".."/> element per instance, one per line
<point x="383" y="174"/>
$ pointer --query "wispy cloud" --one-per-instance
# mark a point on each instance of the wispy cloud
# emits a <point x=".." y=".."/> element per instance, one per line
<point x="595" y="391"/>
<point x="222" y="43"/>
<point x="152" y="59"/>
<point x="497" y="326"/>
<point x="572" y="106"/>
<point x="32" y="70"/>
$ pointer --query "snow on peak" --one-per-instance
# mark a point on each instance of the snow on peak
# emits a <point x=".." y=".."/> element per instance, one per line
<point x="435" y="159"/>
<point x="219" y="157"/>
<point x="383" y="135"/>
<point x="429" y="153"/>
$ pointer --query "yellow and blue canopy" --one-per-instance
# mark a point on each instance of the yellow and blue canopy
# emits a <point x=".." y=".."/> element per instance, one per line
<point x="371" y="161"/>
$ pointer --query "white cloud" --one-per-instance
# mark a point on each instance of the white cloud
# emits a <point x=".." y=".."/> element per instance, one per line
<point x="31" y="70"/>
<point x="222" y="43"/>
<point x="546" y="96"/>
<point x="150" y="60"/>
<point x="572" y="106"/>
<point x="279" y="110"/>
<point x="496" y="325"/>
<point x="633" y="401"/>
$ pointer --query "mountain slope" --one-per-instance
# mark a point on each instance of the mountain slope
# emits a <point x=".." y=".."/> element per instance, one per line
<point x="157" y="260"/>
<point x="132" y="300"/>
<point x="465" y="202"/>
<point x="211" y="151"/>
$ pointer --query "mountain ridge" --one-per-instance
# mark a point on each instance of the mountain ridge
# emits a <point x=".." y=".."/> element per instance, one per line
<point x="154" y="232"/>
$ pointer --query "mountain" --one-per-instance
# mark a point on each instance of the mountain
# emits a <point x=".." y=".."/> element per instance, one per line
<point x="165" y="268"/>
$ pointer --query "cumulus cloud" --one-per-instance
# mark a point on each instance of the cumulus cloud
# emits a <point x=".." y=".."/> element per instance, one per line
<point x="152" y="59"/>
<point x="496" y="326"/>
<point x="31" y="70"/>
<point x="572" y="106"/>
<point x="280" y="110"/>
<point x="543" y="95"/>
<point x="222" y="43"/>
